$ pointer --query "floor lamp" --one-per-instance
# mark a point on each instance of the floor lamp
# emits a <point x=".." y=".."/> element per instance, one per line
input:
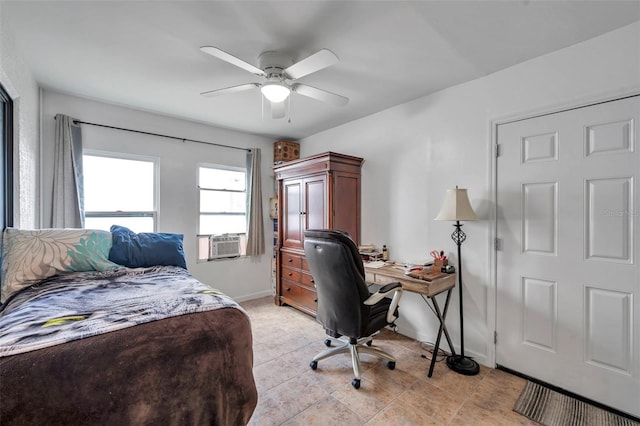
<point x="457" y="207"/>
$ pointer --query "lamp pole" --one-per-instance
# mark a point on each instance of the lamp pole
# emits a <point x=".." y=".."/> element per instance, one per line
<point x="458" y="237"/>
<point x="460" y="363"/>
<point x="456" y="207"/>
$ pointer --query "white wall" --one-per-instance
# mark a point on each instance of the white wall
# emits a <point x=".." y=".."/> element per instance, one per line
<point x="415" y="151"/>
<point x="241" y="279"/>
<point x="17" y="79"/>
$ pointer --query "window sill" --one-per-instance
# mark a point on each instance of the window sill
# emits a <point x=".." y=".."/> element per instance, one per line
<point x="221" y="259"/>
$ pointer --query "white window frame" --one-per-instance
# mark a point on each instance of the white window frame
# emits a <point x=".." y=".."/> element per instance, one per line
<point x="201" y="236"/>
<point x="156" y="193"/>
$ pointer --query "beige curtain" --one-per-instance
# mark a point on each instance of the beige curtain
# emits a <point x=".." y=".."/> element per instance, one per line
<point x="255" y="229"/>
<point x="68" y="187"/>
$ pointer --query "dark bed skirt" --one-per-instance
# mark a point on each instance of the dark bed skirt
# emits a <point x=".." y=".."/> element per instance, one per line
<point x="192" y="369"/>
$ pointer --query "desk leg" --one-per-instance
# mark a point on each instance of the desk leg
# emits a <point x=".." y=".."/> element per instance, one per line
<point x="444" y="314"/>
<point x="443" y="328"/>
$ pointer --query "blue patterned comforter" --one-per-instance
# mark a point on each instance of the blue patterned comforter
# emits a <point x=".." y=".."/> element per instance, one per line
<point x="83" y="304"/>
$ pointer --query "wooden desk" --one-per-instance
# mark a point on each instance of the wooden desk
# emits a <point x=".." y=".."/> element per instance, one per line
<point x="427" y="289"/>
<point x="389" y="273"/>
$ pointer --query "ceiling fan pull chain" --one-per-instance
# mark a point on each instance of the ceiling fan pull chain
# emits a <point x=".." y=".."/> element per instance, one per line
<point x="289" y="109"/>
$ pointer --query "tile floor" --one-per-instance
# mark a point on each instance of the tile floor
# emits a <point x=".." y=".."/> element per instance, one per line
<point x="290" y="393"/>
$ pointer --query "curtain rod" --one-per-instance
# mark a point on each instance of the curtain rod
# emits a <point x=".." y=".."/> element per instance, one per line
<point x="158" y="134"/>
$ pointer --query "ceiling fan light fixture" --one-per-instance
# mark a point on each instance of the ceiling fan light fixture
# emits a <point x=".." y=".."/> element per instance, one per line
<point x="275" y="91"/>
<point x="280" y="75"/>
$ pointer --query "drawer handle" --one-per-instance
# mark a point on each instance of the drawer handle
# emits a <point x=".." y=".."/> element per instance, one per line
<point x="290" y="273"/>
<point x="288" y="288"/>
<point x="290" y="260"/>
<point x="315" y="300"/>
<point x="313" y="281"/>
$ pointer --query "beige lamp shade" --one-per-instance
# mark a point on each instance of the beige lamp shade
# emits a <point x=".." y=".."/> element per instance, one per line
<point x="456" y="206"/>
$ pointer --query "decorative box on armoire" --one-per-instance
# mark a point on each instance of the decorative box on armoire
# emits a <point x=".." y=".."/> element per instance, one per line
<point x="318" y="192"/>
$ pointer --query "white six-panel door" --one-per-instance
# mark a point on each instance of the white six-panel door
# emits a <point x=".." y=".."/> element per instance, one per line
<point x="568" y="275"/>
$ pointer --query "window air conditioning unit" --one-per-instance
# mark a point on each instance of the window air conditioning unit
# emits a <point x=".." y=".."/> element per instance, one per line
<point x="221" y="246"/>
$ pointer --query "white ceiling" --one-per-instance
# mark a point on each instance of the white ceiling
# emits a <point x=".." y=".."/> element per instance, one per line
<point x="146" y="54"/>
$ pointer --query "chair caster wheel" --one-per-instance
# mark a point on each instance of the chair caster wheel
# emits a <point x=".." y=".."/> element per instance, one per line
<point x="313" y="364"/>
<point x="370" y="342"/>
<point x="327" y="343"/>
<point x="391" y="365"/>
<point x="355" y="383"/>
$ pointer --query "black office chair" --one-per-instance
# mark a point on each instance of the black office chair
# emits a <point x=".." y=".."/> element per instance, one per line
<point x="346" y="308"/>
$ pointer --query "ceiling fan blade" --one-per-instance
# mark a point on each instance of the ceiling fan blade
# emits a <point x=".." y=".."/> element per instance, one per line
<point x="319" y="60"/>
<point x="232" y="89"/>
<point x="278" y="109"/>
<point x="321" y="95"/>
<point x="227" y="57"/>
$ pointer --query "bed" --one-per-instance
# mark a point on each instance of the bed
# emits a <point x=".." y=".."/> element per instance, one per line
<point x="87" y="340"/>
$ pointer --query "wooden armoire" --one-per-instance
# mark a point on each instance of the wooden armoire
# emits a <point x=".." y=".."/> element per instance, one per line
<point x="318" y="192"/>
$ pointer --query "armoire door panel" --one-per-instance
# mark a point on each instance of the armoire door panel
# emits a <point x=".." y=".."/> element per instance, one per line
<point x="291" y="209"/>
<point x="346" y="204"/>
<point x="315" y="206"/>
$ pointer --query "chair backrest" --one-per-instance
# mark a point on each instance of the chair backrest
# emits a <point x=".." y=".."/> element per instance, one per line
<point x="338" y="273"/>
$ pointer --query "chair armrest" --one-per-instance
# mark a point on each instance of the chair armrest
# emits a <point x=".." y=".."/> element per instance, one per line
<point x="387" y="288"/>
<point x="382" y="293"/>
<point x="396" y="288"/>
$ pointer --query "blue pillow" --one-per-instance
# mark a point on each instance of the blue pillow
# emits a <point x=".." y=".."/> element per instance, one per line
<point x="146" y="248"/>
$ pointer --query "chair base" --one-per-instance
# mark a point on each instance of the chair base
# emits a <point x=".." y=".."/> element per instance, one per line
<point x="362" y="346"/>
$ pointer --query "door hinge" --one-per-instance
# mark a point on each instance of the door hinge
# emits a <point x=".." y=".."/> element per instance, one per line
<point x="497" y="150"/>
<point x="497" y="244"/>
<point x="495" y="337"/>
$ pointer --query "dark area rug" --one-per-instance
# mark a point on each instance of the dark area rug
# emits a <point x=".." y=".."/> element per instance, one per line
<point x="552" y="408"/>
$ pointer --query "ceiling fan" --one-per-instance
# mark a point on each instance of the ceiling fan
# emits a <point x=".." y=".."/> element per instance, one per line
<point x="280" y="74"/>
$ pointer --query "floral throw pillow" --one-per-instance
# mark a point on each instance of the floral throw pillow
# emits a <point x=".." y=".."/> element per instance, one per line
<point x="30" y="256"/>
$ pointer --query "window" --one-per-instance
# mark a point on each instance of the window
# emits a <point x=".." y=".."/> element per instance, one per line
<point x="6" y="159"/>
<point x="121" y="190"/>
<point x="222" y="212"/>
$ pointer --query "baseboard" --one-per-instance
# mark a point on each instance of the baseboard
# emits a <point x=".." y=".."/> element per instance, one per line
<point x="427" y="338"/>
<point x="254" y="296"/>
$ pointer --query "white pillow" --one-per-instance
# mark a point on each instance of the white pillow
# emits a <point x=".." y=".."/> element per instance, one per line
<point x="30" y="256"/>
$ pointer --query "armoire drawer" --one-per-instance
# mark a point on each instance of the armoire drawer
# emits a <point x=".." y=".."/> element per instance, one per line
<point x="299" y="294"/>
<point x="291" y="274"/>
<point x="291" y="261"/>
<point x="307" y="280"/>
